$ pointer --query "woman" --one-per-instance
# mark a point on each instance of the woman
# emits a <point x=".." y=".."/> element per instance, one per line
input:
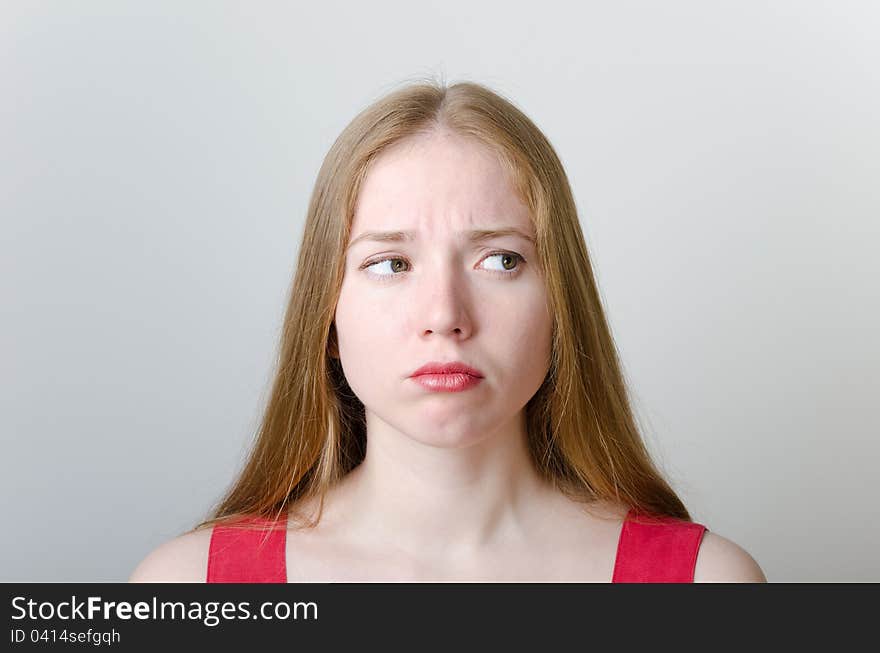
<point x="448" y="403"/>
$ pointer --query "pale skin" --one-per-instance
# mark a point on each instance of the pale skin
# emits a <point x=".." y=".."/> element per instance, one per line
<point x="447" y="491"/>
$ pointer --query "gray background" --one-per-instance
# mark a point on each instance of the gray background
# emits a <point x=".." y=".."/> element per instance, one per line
<point x="156" y="160"/>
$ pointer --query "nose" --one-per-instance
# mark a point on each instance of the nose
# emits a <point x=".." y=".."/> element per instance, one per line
<point x="444" y="304"/>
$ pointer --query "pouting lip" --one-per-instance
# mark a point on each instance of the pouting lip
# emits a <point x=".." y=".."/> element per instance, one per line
<point x="453" y="367"/>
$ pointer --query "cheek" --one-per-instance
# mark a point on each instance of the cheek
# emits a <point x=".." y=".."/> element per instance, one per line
<point x="530" y="341"/>
<point x="538" y="343"/>
<point x="365" y="331"/>
<point x="524" y="321"/>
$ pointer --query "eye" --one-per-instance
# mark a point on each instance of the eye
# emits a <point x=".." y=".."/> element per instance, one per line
<point x="507" y="258"/>
<point x="394" y="264"/>
<point x="511" y="265"/>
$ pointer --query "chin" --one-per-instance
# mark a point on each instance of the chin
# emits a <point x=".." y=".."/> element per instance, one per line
<point x="447" y="438"/>
<point x="442" y="426"/>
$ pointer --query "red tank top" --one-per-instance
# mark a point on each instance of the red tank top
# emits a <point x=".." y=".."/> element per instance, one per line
<point x="650" y="550"/>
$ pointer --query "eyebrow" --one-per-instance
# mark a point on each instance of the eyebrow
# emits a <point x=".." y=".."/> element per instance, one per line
<point x="474" y="235"/>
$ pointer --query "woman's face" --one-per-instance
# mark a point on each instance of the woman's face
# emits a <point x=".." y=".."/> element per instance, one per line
<point x="441" y="296"/>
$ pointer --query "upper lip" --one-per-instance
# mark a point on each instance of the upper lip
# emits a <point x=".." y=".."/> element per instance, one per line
<point x="452" y="367"/>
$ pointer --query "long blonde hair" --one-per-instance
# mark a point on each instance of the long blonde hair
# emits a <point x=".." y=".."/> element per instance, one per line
<point x="581" y="430"/>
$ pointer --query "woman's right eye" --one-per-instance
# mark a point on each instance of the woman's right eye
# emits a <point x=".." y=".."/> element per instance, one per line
<point x="393" y="267"/>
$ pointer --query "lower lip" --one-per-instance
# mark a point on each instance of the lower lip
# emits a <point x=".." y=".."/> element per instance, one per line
<point x="447" y="382"/>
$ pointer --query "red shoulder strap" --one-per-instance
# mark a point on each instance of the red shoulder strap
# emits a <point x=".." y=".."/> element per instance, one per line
<point x="657" y="550"/>
<point x="237" y="555"/>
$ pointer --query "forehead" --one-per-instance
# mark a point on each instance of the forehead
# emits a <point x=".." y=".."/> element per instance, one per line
<point x="438" y="181"/>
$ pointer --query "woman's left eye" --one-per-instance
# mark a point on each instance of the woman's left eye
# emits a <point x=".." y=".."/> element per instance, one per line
<point x="506" y="256"/>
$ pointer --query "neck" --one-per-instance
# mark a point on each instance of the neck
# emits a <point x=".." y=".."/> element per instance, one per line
<point x="438" y="502"/>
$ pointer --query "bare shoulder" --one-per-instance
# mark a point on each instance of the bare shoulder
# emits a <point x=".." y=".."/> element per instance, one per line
<point x="720" y="560"/>
<point x="183" y="559"/>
